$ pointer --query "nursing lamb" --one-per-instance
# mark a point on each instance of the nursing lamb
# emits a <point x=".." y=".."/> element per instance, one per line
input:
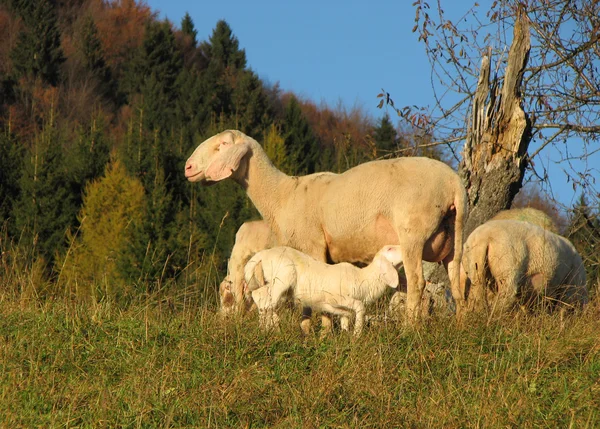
<point x="341" y="289"/>
<point x="250" y="238"/>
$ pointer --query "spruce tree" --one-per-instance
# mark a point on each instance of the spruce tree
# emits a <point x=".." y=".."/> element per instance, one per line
<point x="224" y="61"/>
<point x="385" y="135"/>
<point x="88" y="156"/>
<point x="93" y="58"/>
<point x="11" y="160"/>
<point x="232" y="93"/>
<point x="300" y="141"/>
<point x="154" y="73"/>
<point x="187" y="28"/>
<point x="37" y="53"/>
<point x="251" y="106"/>
<point x="46" y="207"/>
<point x="584" y="233"/>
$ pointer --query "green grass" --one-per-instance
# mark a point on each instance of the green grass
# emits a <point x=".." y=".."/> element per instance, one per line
<point x="148" y="366"/>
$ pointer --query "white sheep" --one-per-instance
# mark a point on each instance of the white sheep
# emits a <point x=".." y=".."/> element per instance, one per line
<point x="528" y="214"/>
<point x="341" y="289"/>
<point x="417" y="203"/>
<point x="511" y="261"/>
<point x="250" y="238"/>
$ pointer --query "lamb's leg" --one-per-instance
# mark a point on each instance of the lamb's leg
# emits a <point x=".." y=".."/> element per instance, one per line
<point x="326" y="324"/>
<point x="345" y="323"/>
<point x="267" y="299"/>
<point x="305" y="323"/>
<point x="413" y="267"/>
<point x="359" y="310"/>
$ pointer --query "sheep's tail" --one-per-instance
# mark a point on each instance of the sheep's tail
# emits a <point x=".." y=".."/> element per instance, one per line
<point x="460" y="218"/>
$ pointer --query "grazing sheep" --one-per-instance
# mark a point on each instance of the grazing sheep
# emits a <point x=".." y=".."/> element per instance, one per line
<point x="513" y="261"/>
<point x="417" y="203"/>
<point x="250" y="238"/>
<point x="528" y="214"/>
<point x="341" y="289"/>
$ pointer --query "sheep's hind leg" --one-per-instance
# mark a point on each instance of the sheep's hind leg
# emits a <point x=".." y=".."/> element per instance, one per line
<point x="413" y="266"/>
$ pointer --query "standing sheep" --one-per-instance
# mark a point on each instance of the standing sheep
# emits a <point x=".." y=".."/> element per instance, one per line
<point x="417" y="203"/>
<point x="341" y="289"/>
<point x="514" y="261"/>
<point x="250" y="238"/>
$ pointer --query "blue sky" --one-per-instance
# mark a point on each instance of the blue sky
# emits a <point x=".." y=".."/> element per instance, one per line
<point x="340" y="51"/>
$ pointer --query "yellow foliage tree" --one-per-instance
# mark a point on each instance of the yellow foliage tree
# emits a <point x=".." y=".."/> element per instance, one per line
<point x="274" y="146"/>
<point x="112" y="205"/>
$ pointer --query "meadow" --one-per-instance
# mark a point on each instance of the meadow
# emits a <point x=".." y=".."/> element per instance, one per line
<point x="167" y="361"/>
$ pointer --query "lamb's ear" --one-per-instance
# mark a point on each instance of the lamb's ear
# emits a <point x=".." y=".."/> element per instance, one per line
<point x="389" y="273"/>
<point x="226" y="161"/>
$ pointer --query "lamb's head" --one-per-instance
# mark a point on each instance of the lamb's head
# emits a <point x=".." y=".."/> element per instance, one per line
<point x="387" y="260"/>
<point x="392" y="254"/>
<point x="217" y="158"/>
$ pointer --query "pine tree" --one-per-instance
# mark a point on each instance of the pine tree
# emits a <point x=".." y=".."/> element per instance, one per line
<point x="187" y="27"/>
<point x="37" y="52"/>
<point x="385" y="135"/>
<point x="300" y="141"/>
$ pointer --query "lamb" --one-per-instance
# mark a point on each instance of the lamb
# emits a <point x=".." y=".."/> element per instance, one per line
<point x="417" y="203"/>
<point x="519" y="262"/>
<point x="250" y="238"/>
<point x="341" y="289"/>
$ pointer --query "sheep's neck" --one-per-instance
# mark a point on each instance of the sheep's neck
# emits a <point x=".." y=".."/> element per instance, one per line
<point x="266" y="186"/>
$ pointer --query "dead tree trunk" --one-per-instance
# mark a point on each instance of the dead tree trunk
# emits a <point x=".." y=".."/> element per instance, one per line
<point x="494" y="157"/>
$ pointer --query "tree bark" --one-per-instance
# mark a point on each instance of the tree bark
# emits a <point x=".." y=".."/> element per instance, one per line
<point x="499" y="133"/>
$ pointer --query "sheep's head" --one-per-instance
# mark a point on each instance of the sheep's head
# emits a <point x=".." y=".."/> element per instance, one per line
<point x="217" y="158"/>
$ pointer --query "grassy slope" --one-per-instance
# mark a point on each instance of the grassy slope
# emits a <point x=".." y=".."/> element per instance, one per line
<point x="95" y="367"/>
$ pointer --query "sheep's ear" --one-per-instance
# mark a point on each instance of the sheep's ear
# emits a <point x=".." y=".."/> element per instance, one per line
<point x="389" y="273"/>
<point x="226" y="161"/>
